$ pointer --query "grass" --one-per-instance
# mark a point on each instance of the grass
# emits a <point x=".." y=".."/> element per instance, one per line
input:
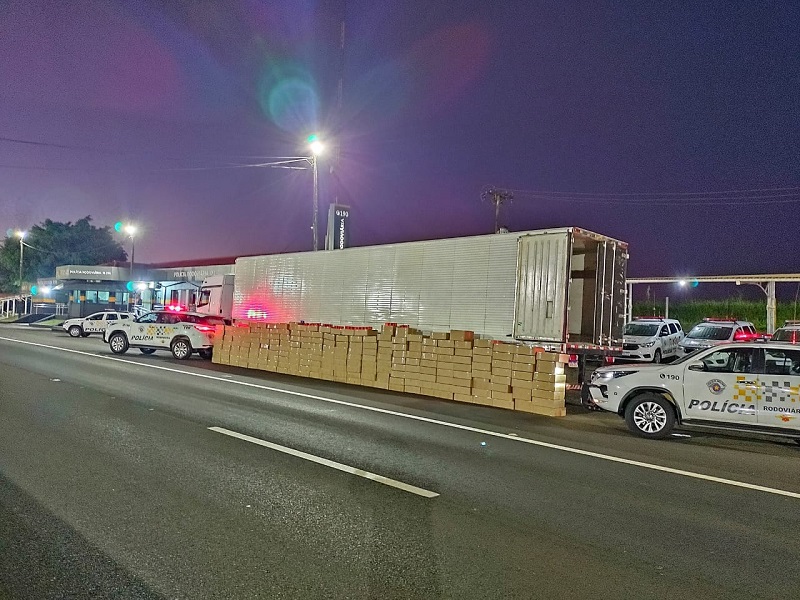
<point x="49" y="322"/>
<point x="691" y="313"/>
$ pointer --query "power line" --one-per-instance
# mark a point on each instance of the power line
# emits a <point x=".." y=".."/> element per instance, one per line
<point x="289" y="163"/>
<point x="744" y="197"/>
<point x="746" y="191"/>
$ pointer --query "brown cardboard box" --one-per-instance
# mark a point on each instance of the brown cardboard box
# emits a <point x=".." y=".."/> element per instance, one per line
<point x="550" y="367"/>
<point x="503" y="348"/>
<point x="444" y="351"/>
<point x="522" y="375"/>
<point x="523" y="384"/>
<point x="415" y="337"/>
<point x="462" y="351"/>
<point x="506" y="403"/>
<point x="482" y="343"/>
<point x="479" y="383"/>
<point x="501" y="364"/>
<point x="500" y="380"/>
<point x="553" y="357"/>
<point x="462" y="335"/>
<point x="440" y="335"/>
<point x="462" y="360"/>
<point x="501" y="372"/>
<point x="549" y="378"/>
<point x="463" y="398"/>
<point x="548" y="402"/>
<point x="500" y="387"/>
<point x="412" y="389"/>
<point x="521" y="393"/>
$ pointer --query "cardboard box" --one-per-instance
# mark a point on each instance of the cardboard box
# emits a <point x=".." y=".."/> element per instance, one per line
<point x="501" y="364"/>
<point x="482" y="343"/>
<point x="522" y="375"/>
<point x="500" y="387"/>
<point x="507" y="404"/>
<point x="554" y="368"/>
<point x="549" y="377"/>
<point x="440" y="335"/>
<point x="521" y="393"/>
<point x="463" y="398"/>
<point x="523" y="384"/>
<point x="462" y="335"/>
<point x="501" y="372"/>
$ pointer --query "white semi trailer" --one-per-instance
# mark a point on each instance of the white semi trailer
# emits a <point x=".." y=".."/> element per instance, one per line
<point x="561" y="288"/>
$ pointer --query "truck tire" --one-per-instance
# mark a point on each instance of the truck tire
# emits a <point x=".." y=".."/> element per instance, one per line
<point x="657" y="357"/>
<point x="650" y="416"/>
<point x="118" y="342"/>
<point x="75" y="330"/>
<point x="181" y="348"/>
<point x="205" y="353"/>
<point x="147" y="350"/>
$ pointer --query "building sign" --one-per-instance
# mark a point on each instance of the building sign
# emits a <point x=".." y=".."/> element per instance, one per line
<point x="338" y="237"/>
<point x="88" y="272"/>
<point x="194" y="274"/>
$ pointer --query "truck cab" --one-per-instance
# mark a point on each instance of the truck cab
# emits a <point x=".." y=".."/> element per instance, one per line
<point x="216" y="297"/>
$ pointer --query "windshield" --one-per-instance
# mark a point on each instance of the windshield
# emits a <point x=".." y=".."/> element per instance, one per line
<point x="205" y="297"/>
<point x="710" y="332"/>
<point x="786" y="335"/>
<point x="641" y="329"/>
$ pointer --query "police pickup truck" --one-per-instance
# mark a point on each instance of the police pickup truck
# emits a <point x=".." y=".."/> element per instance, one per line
<point x="748" y="386"/>
<point x="181" y="332"/>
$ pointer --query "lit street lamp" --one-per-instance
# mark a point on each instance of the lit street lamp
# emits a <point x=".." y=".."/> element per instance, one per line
<point x="317" y="148"/>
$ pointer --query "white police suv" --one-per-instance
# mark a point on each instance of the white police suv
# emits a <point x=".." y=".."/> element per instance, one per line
<point x="651" y="339"/>
<point x="95" y="323"/>
<point x="180" y="332"/>
<point x="712" y="332"/>
<point x="747" y="386"/>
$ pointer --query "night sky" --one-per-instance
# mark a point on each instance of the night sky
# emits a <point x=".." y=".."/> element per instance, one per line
<point x="153" y="110"/>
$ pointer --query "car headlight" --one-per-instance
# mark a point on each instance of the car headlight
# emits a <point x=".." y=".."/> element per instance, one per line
<point x="609" y="375"/>
<point x="648" y="344"/>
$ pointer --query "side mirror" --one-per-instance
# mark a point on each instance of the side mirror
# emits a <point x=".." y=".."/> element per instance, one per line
<point x="697" y="366"/>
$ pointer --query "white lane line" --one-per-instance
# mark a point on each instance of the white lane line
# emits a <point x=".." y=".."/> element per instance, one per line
<point x="329" y="463"/>
<point x="607" y="457"/>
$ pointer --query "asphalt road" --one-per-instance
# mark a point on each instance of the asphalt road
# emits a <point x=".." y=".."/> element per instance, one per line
<point x="112" y="485"/>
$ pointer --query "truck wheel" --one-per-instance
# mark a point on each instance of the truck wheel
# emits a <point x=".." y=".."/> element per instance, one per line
<point x="657" y="357"/>
<point x="650" y="416"/>
<point x="75" y="331"/>
<point x="118" y="343"/>
<point x="147" y="350"/>
<point x="205" y="353"/>
<point x="181" y="349"/>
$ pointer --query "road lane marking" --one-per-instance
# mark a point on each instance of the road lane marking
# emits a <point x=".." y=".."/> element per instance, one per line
<point x="569" y="449"/>
<point x="329" y="463"/>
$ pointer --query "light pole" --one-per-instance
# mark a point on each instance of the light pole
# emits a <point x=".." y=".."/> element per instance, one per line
<point x="317" y="148"/>
<point x="130" y="230"/>
<point x="21" y="235"/>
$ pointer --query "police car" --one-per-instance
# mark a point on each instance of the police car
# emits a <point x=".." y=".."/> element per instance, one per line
<point x="651" y="339"/>
<point x="789" y="333"/>
<point x="712" y="332"/>
<point x="95" y="323"/>
<point x="747" y="386"/>
<point x="180" y="332"/>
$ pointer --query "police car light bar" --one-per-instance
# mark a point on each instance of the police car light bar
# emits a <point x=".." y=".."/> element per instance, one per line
<point x="721" y="319"/>
<point x="653" y="318"/>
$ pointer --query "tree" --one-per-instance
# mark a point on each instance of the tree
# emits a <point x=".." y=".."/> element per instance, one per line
<point x="51" y="244"/>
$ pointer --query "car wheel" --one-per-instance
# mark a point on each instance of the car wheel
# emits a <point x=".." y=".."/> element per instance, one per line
<point x="650" y="416"/>
<point x="75" y="330"/>
<point x="181" y="349"/>
<point x="657" y="357"/>
<point x="118" y="343"/>
<point x="205" y="353"/>
<point x="147" y="350"/>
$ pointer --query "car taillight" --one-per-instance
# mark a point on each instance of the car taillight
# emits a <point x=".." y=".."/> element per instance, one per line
<point x="205" y="328"/>
<point x="741" y="336"/>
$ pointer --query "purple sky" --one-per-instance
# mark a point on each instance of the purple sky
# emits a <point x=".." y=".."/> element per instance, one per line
<point x="160" y="103"/>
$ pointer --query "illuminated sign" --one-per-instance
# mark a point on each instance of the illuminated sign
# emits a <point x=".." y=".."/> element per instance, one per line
<point x="338" y="227"/>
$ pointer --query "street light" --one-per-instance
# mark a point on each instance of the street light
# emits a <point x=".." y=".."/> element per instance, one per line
<point x="317" y="147"/>
<point x="21" y="235"/>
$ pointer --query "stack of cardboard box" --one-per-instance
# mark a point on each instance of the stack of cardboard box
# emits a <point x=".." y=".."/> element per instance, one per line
<point x="451" y="365"/>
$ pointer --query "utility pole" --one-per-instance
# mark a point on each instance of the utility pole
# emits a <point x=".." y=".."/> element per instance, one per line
<point x="497" y="197"/>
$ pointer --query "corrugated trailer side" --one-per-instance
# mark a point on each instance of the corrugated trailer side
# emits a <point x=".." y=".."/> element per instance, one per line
<point x="459" y="283"/>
